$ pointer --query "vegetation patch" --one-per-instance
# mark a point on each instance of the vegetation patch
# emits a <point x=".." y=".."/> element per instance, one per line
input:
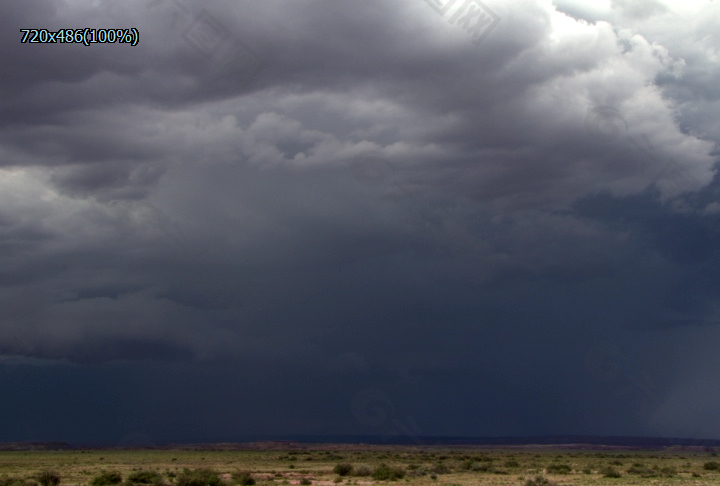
<point x="610" y="472"/>
<point x="199" y="477"/>
<point x="343" y="469"/>
<point x="539" y="480"/>
<point x="8" y="481"/>
<point x="388" y="473"/>
<point x="558" y="469"/>
<point x="244" y="478"/>
<point x="145" y="477"/>
<point x="49" y="478"/>
<point x="362" y="470"/>
<point x="106" y="478"/>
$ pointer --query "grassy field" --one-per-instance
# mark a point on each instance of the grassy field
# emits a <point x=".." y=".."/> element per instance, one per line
<point x="391" y="465"/>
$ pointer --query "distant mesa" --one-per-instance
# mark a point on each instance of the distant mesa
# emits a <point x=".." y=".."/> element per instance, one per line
<point x="35" y="446"/>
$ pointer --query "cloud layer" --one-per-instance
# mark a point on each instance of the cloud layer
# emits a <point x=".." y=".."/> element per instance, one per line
<point x="358" y="192"/>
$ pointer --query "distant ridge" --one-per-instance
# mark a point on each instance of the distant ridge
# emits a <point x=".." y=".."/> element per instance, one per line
<point x="35" y="446"/>
<point x="355" y="442"/>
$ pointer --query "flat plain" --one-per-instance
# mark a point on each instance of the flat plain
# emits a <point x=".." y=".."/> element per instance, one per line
<point x="360" y="465"/>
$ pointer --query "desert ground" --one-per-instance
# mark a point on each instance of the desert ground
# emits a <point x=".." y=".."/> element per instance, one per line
<point x="359" y="465"/>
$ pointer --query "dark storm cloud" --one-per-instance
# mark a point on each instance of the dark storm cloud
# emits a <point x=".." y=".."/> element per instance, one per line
<point x="358" y="193"/>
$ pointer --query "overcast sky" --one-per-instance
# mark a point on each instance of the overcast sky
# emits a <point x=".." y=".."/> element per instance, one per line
<point x="412" y="217"/>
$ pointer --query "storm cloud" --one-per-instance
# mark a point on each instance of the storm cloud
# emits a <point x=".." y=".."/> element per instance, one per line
<point x="502" y="228"/>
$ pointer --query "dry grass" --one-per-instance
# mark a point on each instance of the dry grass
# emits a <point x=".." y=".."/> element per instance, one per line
<point x="422" y="466"/>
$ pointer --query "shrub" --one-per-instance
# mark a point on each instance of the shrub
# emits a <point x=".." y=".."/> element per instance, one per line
<point x="343" y="469"/>
<point x="711" y="466"/>
<point x="539" y="480"/>
<point x="512" y="463"/>
<point x="243" y="478"/>
<point x="642" y="471"/>
<point x="305" y="481"/>
<point x="145" y="477"/>
<point x="49" y="478"/>
<point x="6" y="481"/>
<point x="362" y="470"/>
<point x="198" y="477"/>
<point x="106" y="478"/>
<point x="384" y="473"/>
<point x="476" y="466"/>
<point x="558" y="469"/>
<point x="610" y="472"/>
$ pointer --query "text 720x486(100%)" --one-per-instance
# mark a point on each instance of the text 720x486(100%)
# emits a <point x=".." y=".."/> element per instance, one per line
<point x="81" y="36"/>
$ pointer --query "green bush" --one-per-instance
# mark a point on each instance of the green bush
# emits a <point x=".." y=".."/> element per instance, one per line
<point x="384" y="473"/>
<point x="106" y="478"/>
<point x="610" y="472"/>
<point x="512" y="463"/>
<point x="343" y="469"/>
<point x="305" y="481"/>
<point x="198" y="477"/>
<point x="145" y="477"/>
<point x="49" y="478"/>
<point x="558" y="469"/>
<point x="243" y="478"/>
<point x="711" y="466"/>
